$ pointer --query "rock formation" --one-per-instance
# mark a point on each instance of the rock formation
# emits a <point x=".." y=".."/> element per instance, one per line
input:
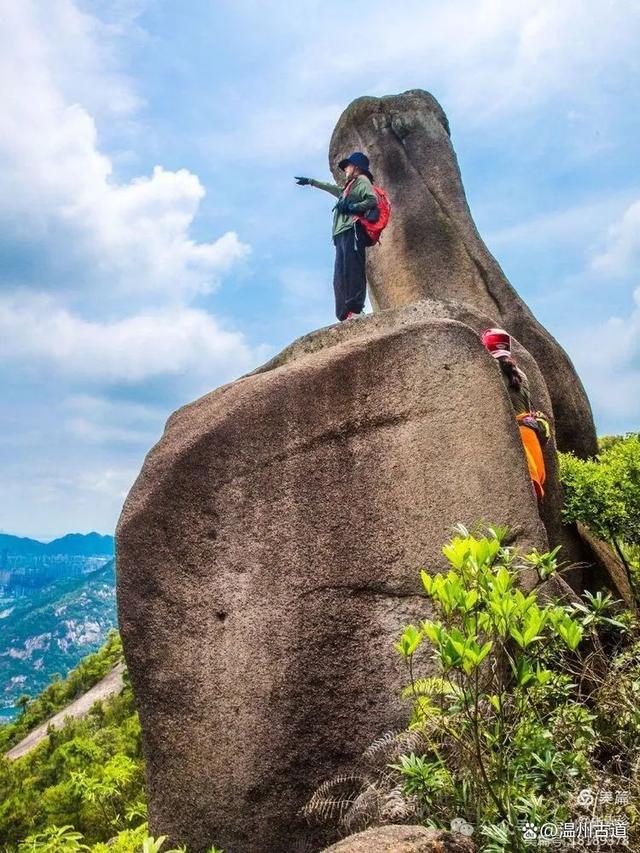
<point x="573" y="546"/>
<point x="403" y="839"/>
<point x="269" y="554"/>
<point x="432" y="248"/>
<point x="269" y="551"/>
<point x="608" y="568"/>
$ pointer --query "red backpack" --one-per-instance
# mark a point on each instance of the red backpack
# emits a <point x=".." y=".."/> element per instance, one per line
<point x="374" y="229"/>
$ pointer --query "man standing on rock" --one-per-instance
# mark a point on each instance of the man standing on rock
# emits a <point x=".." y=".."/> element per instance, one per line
<point x="356" y="198"/>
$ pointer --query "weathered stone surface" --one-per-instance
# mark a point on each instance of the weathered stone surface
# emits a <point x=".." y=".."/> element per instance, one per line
<point x="606" y="568"/>
<point x="432" y="247"/>
<point x="403" y="839"/>
<point x="269" y="555"/>
<point x="573" y="548"/>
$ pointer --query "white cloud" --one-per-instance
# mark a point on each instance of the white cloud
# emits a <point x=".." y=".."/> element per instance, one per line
<point x="98" y="420"/>
<point x="99" y="273"/>
<point x="277" y="133"/>
<point x="181" y="341"/>
<point x="486" y="56"/>
<point x="607" y="356"/>
<point x="487" y="61"/>
<point x="56" y="48"/>
<point x="90" y="499"/>
<point x="579" y="224"/>
<point x="94" y="236"/>
<point x="621" y="253"/>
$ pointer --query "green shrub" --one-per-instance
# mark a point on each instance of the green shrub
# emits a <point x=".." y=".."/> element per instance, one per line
<point x="604" y="494"/>
<point x="54" y="839"/>
<point x="82" y="788"/>
<point x="87" y="774"/>
<point x="510" y="742"/>
<point x="511" y="719"/>
<point x="65" y="839"/>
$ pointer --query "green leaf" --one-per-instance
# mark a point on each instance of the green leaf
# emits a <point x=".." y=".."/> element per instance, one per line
<point x="433" y="631"/>
<point x="495" y="701"/>
<point x="470" y="599"/>
<point x="409" y="641"/>
<point x="543" y="676"/>
<point x="517" y="636"/>
<point x="502" y="580"/>
<point x="484" y="651"/>
<point x="457" y="552"/>
<point x="522" y="671"/>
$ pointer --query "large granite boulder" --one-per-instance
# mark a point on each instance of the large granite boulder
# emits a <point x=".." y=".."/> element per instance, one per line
<point x="269" y="555"/>
<point x="432" y="248"/>
<point x="574" y="549"/>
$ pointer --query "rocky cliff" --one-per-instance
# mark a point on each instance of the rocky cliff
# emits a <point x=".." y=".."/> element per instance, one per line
<point x="432" y="248"/>
<point x="269" y="551"/>
<point x="290" y="513"/>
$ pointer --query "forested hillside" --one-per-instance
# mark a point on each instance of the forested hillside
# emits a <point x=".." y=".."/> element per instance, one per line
<point x="50" y="630"/>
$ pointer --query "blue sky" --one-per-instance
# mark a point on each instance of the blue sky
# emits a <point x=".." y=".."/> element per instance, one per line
<point x="155" y="246"/>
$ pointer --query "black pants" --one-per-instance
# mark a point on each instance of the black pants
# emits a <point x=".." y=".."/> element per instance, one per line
<point x="349" y="281"/>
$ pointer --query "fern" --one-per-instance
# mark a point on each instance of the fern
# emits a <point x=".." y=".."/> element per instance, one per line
<point x="365" y="808"/>
<point x="433" y="686"/>
<point x="334" y="797"/>
<point x="389" y="746"/>
<point x="357" y="801"/>
<point x="397" y="807"/>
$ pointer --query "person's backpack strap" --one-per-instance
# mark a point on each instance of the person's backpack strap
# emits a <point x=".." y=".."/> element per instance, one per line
<point x="538" y="422"/>
<point x="373" y="226"/>
<point x="542" y="420"/>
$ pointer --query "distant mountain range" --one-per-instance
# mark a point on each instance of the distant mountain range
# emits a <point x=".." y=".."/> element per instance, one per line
<point x="57" y="603"/>
<point x="73" y="544"/>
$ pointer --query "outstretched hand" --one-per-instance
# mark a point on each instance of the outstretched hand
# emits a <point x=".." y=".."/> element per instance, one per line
<point x="302" y="181"/>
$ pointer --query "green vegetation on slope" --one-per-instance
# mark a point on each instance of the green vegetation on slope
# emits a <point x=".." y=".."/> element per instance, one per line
<point x="82" y="788"/>
<point x="526" y="723"/>
<point x="52" y="629"/>
<point x="61" y="693"/>
<point x="88" y="774"/>
<point x="604" y="494"/>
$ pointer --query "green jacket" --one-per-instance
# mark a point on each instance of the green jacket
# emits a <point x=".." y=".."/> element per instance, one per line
<point x="520" y="400"/>
<point x="360" y="193"/>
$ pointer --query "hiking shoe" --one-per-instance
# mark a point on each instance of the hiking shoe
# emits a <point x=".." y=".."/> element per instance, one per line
<point x="352" y="316"/>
